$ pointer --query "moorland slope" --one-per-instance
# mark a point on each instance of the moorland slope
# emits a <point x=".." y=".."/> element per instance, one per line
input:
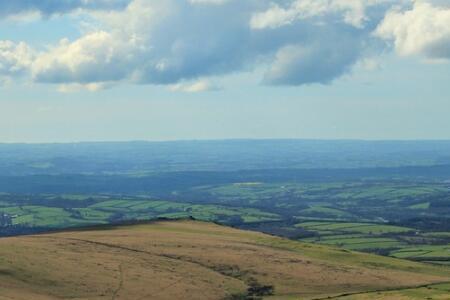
<point x="198" y="260"/>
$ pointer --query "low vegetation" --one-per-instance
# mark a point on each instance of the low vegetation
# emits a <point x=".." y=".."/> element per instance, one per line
<point x="196" y="260"/>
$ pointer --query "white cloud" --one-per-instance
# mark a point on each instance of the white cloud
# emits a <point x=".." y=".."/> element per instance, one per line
<point x="214" y="2"/>
<point x="195" y="87"/>
<point x="184" y="43"/>
<point x="168" y="42"/>
<point x="369" y="64"/>
<point x="298" y="64"/>
<point x="50" y="7"/>
<point x="96" y="57"/>
<point x="352" y="12"/>
<point x="77" y="87"/>
<point x="422" y="30"/>
<point x="157" y="42"/>
<point x="15" y="59"/>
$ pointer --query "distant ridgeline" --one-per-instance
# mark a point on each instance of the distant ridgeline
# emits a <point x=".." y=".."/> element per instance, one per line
<point x="227" y="155"/>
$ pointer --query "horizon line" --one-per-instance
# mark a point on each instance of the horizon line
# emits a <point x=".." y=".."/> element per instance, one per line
<point x="221" y="140"/>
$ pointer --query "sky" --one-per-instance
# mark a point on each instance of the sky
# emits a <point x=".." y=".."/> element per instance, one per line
<point x="118" y="70"/>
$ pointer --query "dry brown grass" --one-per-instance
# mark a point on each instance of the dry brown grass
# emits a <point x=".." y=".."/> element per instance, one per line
<point x="190" y="260"/>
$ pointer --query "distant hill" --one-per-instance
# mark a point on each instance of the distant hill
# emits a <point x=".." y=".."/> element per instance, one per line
<point x="197" y="260"/>
<point x="221" y="155"/>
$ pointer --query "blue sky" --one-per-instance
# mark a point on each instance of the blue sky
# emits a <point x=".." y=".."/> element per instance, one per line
<point x="78" y="70"/>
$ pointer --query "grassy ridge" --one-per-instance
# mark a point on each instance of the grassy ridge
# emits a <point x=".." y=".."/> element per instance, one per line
<point x="193" y="260"/>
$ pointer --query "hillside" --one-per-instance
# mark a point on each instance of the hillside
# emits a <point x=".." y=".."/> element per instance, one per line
<point x="197" y="260"/>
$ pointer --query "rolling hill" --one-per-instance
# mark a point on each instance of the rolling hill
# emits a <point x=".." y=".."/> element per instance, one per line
<point x="197" y="260"/>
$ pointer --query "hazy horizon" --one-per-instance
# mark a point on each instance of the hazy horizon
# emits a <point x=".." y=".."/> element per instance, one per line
<point x="226" y="140"/>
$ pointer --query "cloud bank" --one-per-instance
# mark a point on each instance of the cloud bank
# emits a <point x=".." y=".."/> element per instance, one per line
<point x="50" y="7"/>
<point x="423" y="30"/>
<point x="15" y="59"/>
<point x="181" y="43"/>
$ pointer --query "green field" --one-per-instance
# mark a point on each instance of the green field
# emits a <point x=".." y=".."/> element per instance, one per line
<point x="429" y="292"/>
<point x="429" y="253"/>
<point x="106" y="211"/>
<point x="355" y="236"/>
<point x="382" y="217"/>
<point x="364" y="228"/>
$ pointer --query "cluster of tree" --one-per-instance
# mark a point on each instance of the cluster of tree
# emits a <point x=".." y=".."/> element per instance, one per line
<point x="255" y="291"/>
<point x="5" y="220"/>
<point x="427" y="223"/>
<point x="15" y="230"/>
